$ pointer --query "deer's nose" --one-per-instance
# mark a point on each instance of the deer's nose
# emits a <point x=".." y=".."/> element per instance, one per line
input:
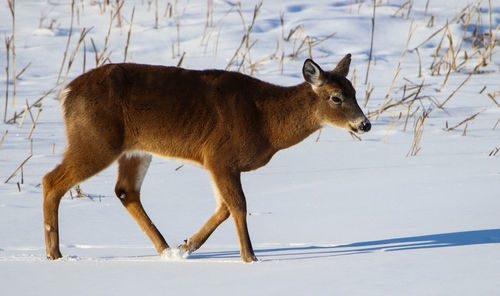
<point x="365" y="126"/>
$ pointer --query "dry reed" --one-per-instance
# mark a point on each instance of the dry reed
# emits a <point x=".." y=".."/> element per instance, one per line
<point x="8" y="41"/>
<point x="411" y="30"/>
<point x="12" y="8"/>
<point x="418" y="131"/>
<point x="17" y="169"/>
<point x="63" y="62"/>
<point x="465" y="120"/>
<point x="37" y="103"/>
<point x="3" y="137"/>
<point x="371" y="42"/>
<point x="34" y="123"/>
<point x="128" y="35"/>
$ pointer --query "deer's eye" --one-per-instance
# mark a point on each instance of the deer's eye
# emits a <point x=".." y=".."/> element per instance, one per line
<point x="336" y="100"/>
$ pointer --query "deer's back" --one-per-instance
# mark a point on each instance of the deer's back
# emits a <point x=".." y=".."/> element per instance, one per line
<point x="196" y="115"/>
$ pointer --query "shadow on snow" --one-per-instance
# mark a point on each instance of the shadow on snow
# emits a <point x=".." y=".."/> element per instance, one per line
<point x="454" y="239"/>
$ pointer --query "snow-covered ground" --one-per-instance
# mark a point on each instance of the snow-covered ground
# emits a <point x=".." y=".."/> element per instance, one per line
<point x="330" y="216"/>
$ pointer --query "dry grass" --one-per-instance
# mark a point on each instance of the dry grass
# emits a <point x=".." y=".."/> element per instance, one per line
<point x="464" y="121"/>
<point x="418" y="131"/>
<point x="3" y="137"/>
<point x="129" y="33"/>
<point x="18" y="168"/>
<point x="450" y="56"/>
<point x="12" y="8"/>
<point x="245" y="40"/>
<point x="371" y="44"/>
<point x="8" y="41"/>
<point x="411" y="30"/>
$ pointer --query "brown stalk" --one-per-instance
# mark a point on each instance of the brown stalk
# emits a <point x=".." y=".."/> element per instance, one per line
<point x="34" y="123"/>
<point x="400" y="9"/>
<point x="426" y="8"/>
<point x="371" y="43"/>
<point x="443" y="27"/>
<point x="71" y="60"/>
<point x="414" y="95"/>
<point x="496" y="124"/>
<point x="465" y="120"/>
<point x="7" y="70"/>
<point x="181" y="59"/>
<point x="128" y="35"/>
<point x="493" y="99"/>
<point x="36" y="103"/>
<point x="209" y="19"/>
<point x="156" y="14"/>
<point x="430" y="24"/>
<point x="168" y="10"/>
<point x="391" y="127"/>
<point x="18" y="168"/>
<point x="311" y="42"/>
<point x="12" y="7"/>
<point x="3" y="137"/>
<point x="491" y="35"/>
<point x="319" y="135"/>
<point x="246" y="36"/>
<point x="24" y="116"/>
<point x="67" y="43"/>
<point x="410" y="33"/>
<point x="464" y="133"/>
<point x="460" y="86"/>
<point x="354" y="136"/>
<point x="419" y="60"/>
<point x="118" y="6"/>
<point x="418" y="129"/>
<point x="368" y="93"/>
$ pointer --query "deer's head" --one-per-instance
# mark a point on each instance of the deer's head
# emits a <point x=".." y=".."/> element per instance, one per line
<point x="337" y="97"/>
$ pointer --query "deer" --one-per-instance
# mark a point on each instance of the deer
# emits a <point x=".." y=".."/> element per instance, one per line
<point x="226" y="122"/>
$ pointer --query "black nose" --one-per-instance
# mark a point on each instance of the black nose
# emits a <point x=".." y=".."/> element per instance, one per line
<point x="366" y="126"/>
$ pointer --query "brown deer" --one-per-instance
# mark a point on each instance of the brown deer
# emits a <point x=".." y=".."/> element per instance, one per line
<point x="226" y="122"/>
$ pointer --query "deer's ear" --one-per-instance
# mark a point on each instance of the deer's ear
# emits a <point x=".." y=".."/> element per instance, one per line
<point x="343" y="66"/>
<point x="312" y="73"/>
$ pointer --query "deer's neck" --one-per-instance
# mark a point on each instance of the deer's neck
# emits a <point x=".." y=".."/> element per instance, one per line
<point x="289" y="115"/>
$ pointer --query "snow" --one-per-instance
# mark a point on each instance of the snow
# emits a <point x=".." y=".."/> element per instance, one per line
<point x="334" y="216"/>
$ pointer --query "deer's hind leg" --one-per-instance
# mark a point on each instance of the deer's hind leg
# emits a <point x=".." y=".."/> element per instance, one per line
<point x="132" y="168"/>
<point x="198" y="239"/>
<point x="76" y="166"/>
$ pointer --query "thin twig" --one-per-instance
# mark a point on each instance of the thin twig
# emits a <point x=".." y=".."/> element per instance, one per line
<point x="465" y="120"/>
<point x="36" y="103"/>
<point x="371" y="42"/>
<point x="460" y="86"/>
<point x="67" y="42"/>
<point x="128" y="35"/>
<point x="3" y="137"/>
<point x="34" y="123"/>
<point x="18" y="168"/>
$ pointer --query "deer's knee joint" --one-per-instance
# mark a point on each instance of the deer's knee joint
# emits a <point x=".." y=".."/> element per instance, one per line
<point x="127" y="196"/>
<point x="120" y="193"/>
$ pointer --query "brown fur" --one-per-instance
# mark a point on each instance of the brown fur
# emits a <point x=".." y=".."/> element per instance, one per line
<point x="226" y="122"/>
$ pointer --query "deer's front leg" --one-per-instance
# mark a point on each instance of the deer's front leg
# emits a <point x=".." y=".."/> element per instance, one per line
<point x="230" y="193"/>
